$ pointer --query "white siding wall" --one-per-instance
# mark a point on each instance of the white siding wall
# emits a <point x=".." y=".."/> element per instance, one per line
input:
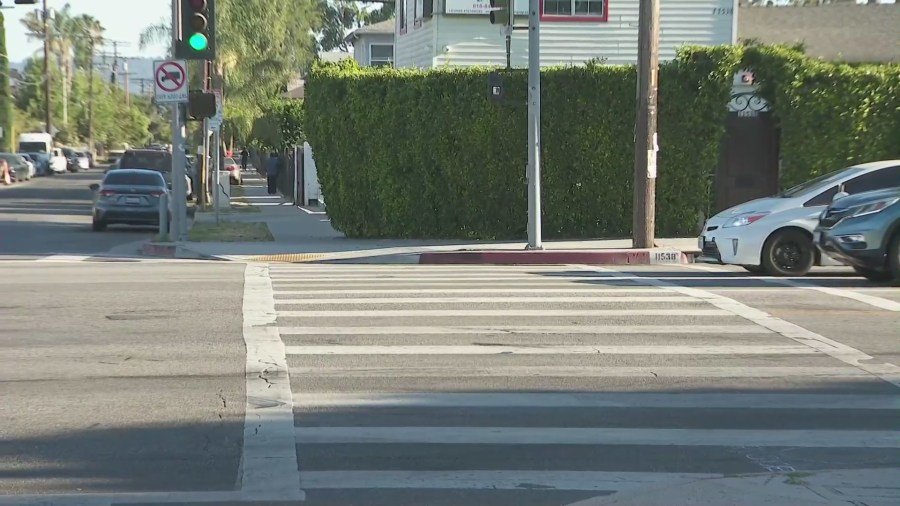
<point x="415" y="48"/>
<point x="464" y="40"/>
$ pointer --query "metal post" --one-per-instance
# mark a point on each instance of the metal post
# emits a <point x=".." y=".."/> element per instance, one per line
<point x="179" y="219"/>
<point x="534" y="125"/>
<point x="91" y="99"/>
<point x="48" y="121"/>
<point x="645" y="145"/>
<point x="217" y="185"/>
<point x="164" y="215"/>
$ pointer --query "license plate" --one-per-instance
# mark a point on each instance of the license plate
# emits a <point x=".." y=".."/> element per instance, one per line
<point x="133" y="200"/>
<point x="700" y="242"/>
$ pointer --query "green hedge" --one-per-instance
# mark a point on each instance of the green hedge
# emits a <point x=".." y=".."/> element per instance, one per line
<point x="831" y="115"/>
<point x="425" y="154"/>
<point x="408" y="153"/>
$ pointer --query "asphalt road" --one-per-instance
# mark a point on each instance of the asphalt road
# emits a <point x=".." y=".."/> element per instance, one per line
<point x="118" y="377"/>
<point x="52" y="216"/>
<point x="126" y="381"/>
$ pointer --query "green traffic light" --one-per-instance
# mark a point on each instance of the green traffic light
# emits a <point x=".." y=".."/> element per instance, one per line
<point x="198" y="42"/>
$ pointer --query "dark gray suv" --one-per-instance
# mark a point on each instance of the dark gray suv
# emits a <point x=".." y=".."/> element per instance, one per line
<point x="863" y="230"/>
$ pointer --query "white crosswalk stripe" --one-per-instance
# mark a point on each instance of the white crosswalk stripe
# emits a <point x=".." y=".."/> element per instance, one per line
<point x="526" y="376"/>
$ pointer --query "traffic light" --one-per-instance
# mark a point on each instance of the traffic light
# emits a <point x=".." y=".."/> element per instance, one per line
<point x="501" y="12"/>
<point x="197" y="30"/>
<point x="201" y="104"/>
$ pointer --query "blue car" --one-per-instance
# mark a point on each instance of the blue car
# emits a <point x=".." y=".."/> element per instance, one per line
<point x="128" y="197"/>
<point x="863" y="231"/>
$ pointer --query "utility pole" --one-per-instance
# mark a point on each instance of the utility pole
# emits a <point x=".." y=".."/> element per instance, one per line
<point x="645" y="140"/>
<point x="91" y="98"/>
<point x="127" y="84"/>
<point x="48" y="120"/>
<point x="534" y="125"/>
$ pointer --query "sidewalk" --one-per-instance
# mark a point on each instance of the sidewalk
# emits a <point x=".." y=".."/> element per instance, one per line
<point x="870" y="487"/>
<point x="305" y="234"/>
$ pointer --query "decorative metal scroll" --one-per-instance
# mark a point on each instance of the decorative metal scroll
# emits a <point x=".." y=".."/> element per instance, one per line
<point x="748" y="104"/>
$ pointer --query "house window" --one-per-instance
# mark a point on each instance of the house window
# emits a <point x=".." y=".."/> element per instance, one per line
<point x="403" y="4"/>
<point x="419" y="8"/>
<point x="574" y="10"/>
<point x="381" y="55"/>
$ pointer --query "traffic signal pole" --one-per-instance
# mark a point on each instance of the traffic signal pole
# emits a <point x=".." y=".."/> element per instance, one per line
<point x="179" y="188"/>
<point x="534" y="125"/>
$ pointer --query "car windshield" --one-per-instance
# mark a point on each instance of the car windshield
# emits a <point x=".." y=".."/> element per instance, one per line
<point x="33" y="146"/>
<point x="132" y="179"/>
<point x="822" y="181"/>
<point x="160" y="161"/>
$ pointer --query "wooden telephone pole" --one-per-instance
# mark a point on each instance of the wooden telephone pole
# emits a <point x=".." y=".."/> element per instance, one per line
<point x="645" y="139"/>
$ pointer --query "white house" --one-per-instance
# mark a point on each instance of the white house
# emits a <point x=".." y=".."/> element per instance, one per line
<point x="434" y="33"/>
<point x="373" y="45"/>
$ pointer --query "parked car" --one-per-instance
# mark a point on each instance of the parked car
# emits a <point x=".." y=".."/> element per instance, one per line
<point x="71" y="159"/>
<point x="83" y="160"/>
<point x="128" y="196"/>
<point x="58" y="162"/>
<point x="152" y="159"/>
<point x="20" y="170"/>
<point x="863" y="231"/>
<point x="41" y="162"/>
<point x="234" y="171"/>
<point x="774" y="235"/>
<point x="32" y="168"/>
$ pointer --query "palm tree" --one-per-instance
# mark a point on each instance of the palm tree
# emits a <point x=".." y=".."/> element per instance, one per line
<point x="88" y="35"/>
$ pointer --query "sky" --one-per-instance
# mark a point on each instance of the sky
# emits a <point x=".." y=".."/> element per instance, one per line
<point x="124" y="20"/>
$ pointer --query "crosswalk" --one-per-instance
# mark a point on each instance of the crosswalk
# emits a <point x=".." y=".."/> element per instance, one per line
<point x="549" y="385"/>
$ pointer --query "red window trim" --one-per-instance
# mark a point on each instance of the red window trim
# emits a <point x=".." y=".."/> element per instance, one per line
<point x="577" y="19"/>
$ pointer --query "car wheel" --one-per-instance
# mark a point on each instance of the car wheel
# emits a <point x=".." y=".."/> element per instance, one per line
<point x="873" y="274"/>
<point x="894" y="258"/>
<point x="755" y="269"/>
<point x="788" y="253"/>
<point x="98" y="226"/>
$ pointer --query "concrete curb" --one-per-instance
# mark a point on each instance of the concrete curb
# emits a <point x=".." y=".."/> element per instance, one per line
<point x="590" y="257"/>
<point x="173" y="250"/>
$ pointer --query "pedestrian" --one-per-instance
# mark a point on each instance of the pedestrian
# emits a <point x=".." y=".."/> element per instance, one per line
<point x="4" y="172"/>
<point x="244" y="155"/>
<point x="272" y="172"/>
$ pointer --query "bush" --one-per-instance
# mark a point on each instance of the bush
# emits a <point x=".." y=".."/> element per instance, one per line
<point x="407" y="153"/>
<point x="831" y="115"/>
<point x="426" y="154"/>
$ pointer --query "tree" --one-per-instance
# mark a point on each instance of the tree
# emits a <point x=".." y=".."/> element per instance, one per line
<point x="262" y="44"/>
<point x="6" y="105"/>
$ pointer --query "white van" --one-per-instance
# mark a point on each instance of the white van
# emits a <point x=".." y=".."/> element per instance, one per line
<point x="40" y="142"/>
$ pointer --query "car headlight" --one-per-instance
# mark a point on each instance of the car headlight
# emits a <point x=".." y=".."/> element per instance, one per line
<point x="744" y="219"/>
<point x="874" y="207"/>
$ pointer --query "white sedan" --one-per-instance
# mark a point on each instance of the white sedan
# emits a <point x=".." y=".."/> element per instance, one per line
<point x="774" y="235"/>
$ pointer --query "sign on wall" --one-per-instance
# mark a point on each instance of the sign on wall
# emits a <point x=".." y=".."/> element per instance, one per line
<point x="482" y="7"/>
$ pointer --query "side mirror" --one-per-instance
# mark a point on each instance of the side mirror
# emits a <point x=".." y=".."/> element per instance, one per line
<point x="839" y="195"/>
<point x="94" y="187"/>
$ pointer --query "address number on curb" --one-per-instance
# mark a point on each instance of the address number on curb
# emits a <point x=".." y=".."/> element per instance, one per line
<point x="665" y="257"/>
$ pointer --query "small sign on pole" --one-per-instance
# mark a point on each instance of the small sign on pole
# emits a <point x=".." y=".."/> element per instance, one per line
<point x="215" y="122"/>
<point x="170" y="81"/>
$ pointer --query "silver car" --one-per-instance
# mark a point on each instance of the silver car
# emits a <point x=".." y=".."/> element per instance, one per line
<point x="129" y="197"/>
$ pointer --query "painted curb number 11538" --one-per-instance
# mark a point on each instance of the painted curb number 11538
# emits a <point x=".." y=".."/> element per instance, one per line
<point x="723" y="11"/>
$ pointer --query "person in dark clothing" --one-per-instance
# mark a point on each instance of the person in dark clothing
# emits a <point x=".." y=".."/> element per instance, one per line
<point x="272" y="173"/>
<point x="244" y="155"/>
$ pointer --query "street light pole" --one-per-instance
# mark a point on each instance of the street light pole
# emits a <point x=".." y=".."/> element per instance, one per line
<point x="534" y="125"/>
